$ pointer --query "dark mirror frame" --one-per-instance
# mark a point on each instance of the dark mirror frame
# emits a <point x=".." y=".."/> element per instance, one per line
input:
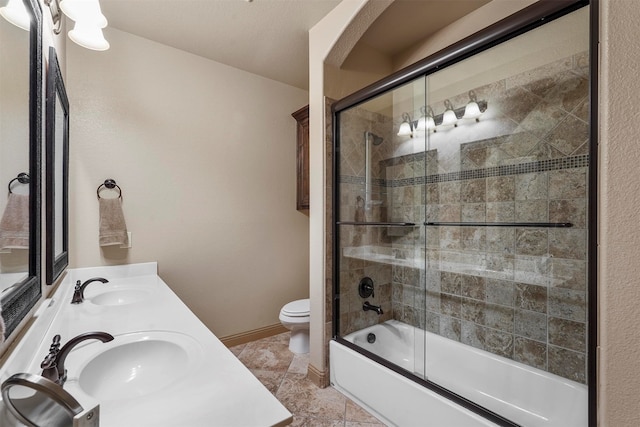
<point x="56" y="98"/>
<point x="17" y="304"/>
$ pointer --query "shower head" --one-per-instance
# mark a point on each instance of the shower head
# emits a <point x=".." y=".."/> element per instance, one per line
<point x="375" y="139"/>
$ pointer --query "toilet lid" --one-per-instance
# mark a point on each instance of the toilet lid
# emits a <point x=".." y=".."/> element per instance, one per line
<point x="297" y="308"/>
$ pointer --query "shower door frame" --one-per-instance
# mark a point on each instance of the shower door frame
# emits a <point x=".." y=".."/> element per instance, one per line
<point x="521" y="22"/>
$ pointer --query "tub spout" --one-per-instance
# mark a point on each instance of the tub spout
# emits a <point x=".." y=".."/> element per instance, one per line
<point x="366" y="307"/>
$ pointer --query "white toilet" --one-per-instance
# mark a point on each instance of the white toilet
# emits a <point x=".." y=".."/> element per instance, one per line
<point x="295" y="317"/>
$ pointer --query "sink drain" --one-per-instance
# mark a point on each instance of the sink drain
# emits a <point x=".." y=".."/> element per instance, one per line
<point x="371" y="338"/>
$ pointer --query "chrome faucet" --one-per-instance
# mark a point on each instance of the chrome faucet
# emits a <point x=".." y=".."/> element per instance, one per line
<point x="78" y="292"/>
<point x="53" y="364"/>
<point x="366" y="307"/>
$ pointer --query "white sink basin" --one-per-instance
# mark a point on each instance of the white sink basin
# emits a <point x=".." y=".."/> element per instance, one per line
<point x="120" y="297"/>
<point x="138" y="364"/>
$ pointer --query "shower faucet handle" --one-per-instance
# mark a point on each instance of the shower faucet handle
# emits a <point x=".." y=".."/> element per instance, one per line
<point x="365" y="287"/>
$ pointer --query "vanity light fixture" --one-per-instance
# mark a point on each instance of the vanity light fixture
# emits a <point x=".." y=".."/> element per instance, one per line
<point x="16" y="13"/>
<point x="406" y="127"/>
<point x="450" y="117"/>
<point x="86" y="13"/>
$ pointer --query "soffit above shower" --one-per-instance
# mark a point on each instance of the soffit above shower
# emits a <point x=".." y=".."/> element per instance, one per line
<point x="406" y="22"/>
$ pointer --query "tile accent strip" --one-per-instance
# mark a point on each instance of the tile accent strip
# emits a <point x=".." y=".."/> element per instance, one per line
<point x="504" y="170"/>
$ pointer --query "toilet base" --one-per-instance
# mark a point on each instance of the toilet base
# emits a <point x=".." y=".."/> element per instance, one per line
<point x="299" y="341"/>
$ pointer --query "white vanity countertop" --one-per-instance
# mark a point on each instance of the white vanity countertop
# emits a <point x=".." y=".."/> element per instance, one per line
<point x="216" y="389"/>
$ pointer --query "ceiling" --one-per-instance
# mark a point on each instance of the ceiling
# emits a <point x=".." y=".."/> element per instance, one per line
<point x="270" y="37"/>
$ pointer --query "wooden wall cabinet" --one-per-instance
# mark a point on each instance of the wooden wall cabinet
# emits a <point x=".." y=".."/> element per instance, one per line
<point x="302" y="187"/>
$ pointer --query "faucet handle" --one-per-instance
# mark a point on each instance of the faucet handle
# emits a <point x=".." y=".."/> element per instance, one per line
<point x="55" y="344"/>
<point x="50" y="363"/>
<point x="54" y="349"/>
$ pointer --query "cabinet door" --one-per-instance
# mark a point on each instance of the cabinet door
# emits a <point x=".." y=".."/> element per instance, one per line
<point x="302" y="188"/>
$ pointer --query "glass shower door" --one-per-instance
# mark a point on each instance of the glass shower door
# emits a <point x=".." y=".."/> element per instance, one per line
<point x="506" y="224"/>
<point x="380" y="211"/>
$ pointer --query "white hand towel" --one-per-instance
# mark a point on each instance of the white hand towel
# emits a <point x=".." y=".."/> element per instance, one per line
<point x="113" y="229"/>
<point x="14" y="226"/>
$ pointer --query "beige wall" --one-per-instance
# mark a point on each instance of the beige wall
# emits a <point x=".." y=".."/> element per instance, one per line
<point x="205" y="156"/>
<point x="619" y="234"/>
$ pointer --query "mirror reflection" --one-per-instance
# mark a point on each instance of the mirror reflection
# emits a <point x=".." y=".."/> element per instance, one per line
<point x="14" y="155"/>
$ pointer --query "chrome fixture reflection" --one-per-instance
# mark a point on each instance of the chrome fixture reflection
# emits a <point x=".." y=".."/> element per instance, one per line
<point x="450" y="117"/>
<point x="37" y="401"/>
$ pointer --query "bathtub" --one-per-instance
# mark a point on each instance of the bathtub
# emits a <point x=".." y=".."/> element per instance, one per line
<point x="527" y="396"/>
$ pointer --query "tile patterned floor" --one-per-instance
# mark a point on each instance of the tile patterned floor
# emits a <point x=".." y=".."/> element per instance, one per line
<point x="285" y="375"/>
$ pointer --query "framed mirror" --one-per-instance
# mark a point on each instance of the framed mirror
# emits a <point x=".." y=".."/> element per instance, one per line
<point x="57" y="171"/>
<point x="20" y="145"/>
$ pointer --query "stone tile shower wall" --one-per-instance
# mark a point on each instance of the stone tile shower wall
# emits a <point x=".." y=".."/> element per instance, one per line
<point x="353" y="207"/>
<point x="516" y="292"/>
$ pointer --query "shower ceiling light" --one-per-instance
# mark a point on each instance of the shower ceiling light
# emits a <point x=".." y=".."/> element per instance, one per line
<point x="16" y="13"/>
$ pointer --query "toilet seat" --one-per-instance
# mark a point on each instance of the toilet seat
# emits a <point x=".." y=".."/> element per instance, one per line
<point x="298" y="308"/>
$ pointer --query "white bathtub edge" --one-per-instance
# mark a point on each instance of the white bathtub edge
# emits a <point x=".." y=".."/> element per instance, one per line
<point x="396" y="408"/>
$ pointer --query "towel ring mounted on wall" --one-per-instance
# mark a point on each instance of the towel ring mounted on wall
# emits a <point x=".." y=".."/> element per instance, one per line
<point x="110" y="184"/>
<point x="22" y="178"/>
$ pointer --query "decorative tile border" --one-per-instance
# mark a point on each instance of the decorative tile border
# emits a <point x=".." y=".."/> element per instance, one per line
<point x="572" y="162"/>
